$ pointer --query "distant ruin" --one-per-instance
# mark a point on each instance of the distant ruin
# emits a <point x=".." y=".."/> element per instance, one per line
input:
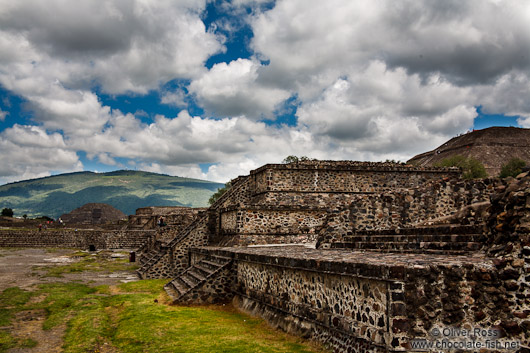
<point x="94" y="213"/>
<point x="493" y="147"/>
<point x="364" y="257"/>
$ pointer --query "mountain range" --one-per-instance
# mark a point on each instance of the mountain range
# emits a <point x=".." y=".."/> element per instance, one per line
<point x="125" y="190"/>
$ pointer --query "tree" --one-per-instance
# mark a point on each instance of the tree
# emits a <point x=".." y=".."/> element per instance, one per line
<point x="219" y="193"/>
<point x="513" y="168"/>
<point x="471" y="168"/>
<point x="7" y="212"/>
<point x="296" y="159"/>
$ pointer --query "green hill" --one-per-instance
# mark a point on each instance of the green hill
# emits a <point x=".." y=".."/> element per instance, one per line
<point x="125" y="190"/>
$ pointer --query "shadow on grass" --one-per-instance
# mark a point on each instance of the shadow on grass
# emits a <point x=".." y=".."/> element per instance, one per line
<point x="134" y="317"/>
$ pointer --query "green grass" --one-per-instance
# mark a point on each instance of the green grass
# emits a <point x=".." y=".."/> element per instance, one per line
<point x="133" y="317"/>
<point x="12" y="300"/>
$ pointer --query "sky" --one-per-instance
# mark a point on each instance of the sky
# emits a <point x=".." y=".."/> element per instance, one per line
<point x="213" y="89"/>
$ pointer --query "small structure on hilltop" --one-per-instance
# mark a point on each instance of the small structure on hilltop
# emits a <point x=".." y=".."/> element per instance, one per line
<point x="94" y="213"/>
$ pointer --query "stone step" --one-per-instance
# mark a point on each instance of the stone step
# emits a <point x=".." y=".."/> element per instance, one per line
<point x="445" y="229"/>
<point x="180" y="287"/>
<point x="222" y="260"/>
<point x="416" y="251"/>
<point x="193" y="272"/>
<point x="425" y="245"/>
<point x="194" y="276"/>
<point x="418" y="246"/>
<point x="148" y="257"/>
<point x="203" y="270"/>
<point x="415" y="238"/>
<point x="172" y="291"/>
<point x="189" y="280"/>
<point x="211" y="264"/>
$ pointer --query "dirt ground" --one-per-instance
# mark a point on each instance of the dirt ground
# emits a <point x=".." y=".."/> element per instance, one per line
<point x="17" y="268"/>
<point x="26" y="268"/>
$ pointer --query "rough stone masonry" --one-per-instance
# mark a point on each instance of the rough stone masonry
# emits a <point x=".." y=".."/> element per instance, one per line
<point x="363" y="257"/>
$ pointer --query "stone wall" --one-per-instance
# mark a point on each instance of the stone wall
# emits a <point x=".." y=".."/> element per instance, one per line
<point x="315" y="199"/>
<point x="147" y="217"/>
<point x="509" y="245"/>
<point x="273" y="221"/>
<point x="318" y="303"/>
<point x="69" y="238"/>
<point x="342" y="177"/>
<point x="369" y="302"/>
<point x="405" y="208"/>
<point x="174" y="257"/>
<point x="272" y="225"/>
<point x="460" y="297"/>
<point x="289" y="203"/>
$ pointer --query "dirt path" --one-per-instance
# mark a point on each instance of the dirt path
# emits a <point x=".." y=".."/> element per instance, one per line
<point x="17" y="269"/>
<point x="27" y="268"/>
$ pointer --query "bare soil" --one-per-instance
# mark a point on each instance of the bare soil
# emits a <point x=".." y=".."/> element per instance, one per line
<point x="18" y="268"/>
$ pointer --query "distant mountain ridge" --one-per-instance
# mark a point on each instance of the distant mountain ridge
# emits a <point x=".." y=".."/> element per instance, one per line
<point x="125" y="190"/>
<point x="493" y="147"/>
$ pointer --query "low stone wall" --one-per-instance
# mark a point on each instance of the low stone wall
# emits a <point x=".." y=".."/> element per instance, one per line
<point x="273" y="222"/>
<point x="405" y="208"/>
<point x="369" y="302"/>
<point x="81" y="239"/>
<point x="147" y="217"/>
<point x="329" y="200"/>
<point x="342" y="176"/>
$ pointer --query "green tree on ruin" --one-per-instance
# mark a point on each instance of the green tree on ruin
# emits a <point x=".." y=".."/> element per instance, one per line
<point x="7" y="212"/>
<point x="513" y="168"/>
<point x="471" y="168"/>
<point x="219" y="193"/>
<point x="296" y="159"/>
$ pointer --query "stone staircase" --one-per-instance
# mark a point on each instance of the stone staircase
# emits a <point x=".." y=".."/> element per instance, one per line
<point x="447" y="239"/>
<point x="239" y="185"/>
<point x="196" y="276"/>
<point x="149" y="252"/>
<point x="159" y="250"/>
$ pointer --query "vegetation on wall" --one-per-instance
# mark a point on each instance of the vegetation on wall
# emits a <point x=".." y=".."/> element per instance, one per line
<point x="513" y="168"/>
<point x="471" y="168"/>
<point x="219" y="193"/>
<point x="296" y="159"/>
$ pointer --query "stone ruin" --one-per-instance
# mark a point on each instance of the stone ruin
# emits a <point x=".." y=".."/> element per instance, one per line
<point x="94" y="213"/>
<point x="174" y="216"/>
<point x="363" y="257"/>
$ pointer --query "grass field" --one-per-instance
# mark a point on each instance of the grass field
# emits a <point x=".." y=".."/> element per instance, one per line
<point x="126" y="317"/>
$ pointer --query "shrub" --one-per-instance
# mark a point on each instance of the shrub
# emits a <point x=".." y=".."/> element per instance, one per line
<point x="471" y="168"/>
<point x="296" y="159"/>
<point x="219" y="193"/>
<point x="513" y="168"/>
<point x="7" y="212"/>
